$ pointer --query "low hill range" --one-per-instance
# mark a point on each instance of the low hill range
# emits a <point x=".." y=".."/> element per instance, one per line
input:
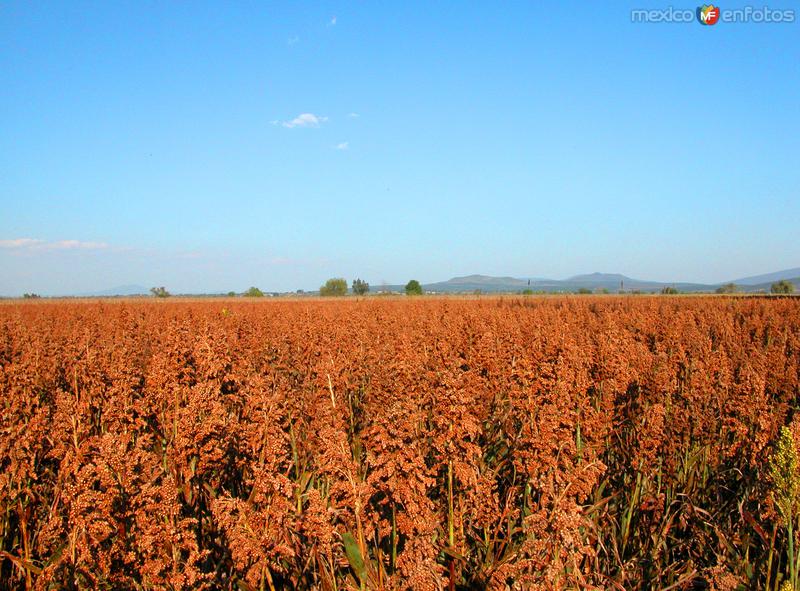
<point x="121" y="290"/>
<point x="770" y="278"/>
<point x="613" y="282"/>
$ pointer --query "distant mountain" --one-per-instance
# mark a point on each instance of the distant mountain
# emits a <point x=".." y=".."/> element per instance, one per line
<point x="485" y="279"/>
<point x="600" y="278"/>
<point x="595" y="281"/>
<point x="616" y="281"/>
<point x="121" y="290"/>
<point x="766" y="286"/>
<point x="599" y="281"/>
<point x="483" y="283"/>
<point x="769" y="277"/>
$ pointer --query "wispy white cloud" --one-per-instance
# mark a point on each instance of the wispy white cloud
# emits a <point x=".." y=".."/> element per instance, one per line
<point x="34" y="244"/>
<point x="292" y="40"/>
<point x="332" y="22"/>
<point x="19" y="242"/>
<point x="303" y="120"/>
<point x="353" y="115"/>
<point x="342" y="146"/>
<point x="74" y="245"/>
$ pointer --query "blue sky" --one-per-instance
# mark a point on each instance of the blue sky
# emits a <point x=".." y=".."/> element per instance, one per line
<point x="214" y="146"/>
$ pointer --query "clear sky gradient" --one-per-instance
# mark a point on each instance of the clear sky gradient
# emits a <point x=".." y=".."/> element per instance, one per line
<point x="214" y="146"/>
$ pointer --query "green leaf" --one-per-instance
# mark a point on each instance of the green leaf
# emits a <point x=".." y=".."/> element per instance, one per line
<point x="354" y="556"/>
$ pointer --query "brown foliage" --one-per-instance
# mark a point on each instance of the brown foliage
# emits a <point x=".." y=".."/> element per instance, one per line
<point x="552" y="443"/>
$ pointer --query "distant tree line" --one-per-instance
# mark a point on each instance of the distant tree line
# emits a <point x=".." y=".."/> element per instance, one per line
<point x="337" y="286"/>
<point x="413" y="288"/>
<point x="334" y="287"/>
<point x="782" y="287"/>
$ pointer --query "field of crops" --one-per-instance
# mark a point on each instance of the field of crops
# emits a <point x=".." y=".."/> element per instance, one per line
<point x="494" y="443"/>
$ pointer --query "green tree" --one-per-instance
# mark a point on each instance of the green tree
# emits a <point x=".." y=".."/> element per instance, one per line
<point x="360" y="287"/>
<point x="254" y="292"/>
<point x="783" y="286"/>
<point x="728" y="288"/>
<point x="31" y="296"/>
<point x="160" y="292"/>
<point x="334" y="287"/>
<point x="413" y="288"/>
<point x="231" y="294"/>
<point x="669" y="290"/>
<point x="584" y="291"/>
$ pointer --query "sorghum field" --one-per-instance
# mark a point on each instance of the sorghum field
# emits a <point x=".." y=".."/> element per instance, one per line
<point x="491" y="443"/>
